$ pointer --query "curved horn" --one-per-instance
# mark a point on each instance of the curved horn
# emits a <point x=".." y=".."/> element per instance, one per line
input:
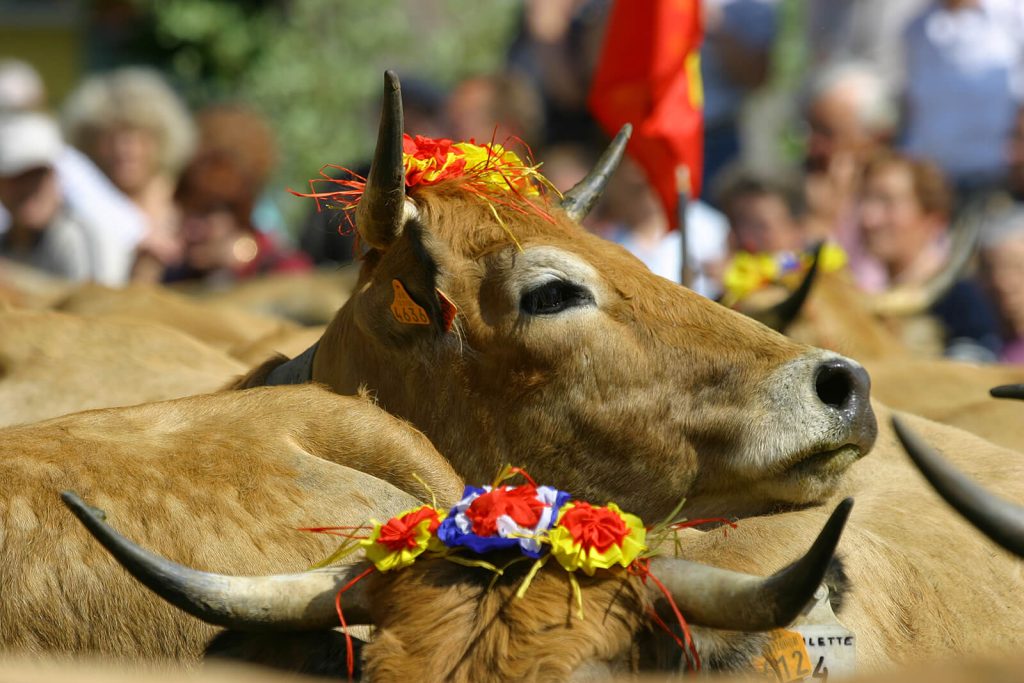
<point x="1008" y="391"/>
<point x="381" y="213"/>
<point x="910" y="300"/>
<point x="781" y="315"/>
<point x="998" y="519"/>
<point x="719" y="598"/>
<point x="285" y="602"/>
<point x="578" y="201"/>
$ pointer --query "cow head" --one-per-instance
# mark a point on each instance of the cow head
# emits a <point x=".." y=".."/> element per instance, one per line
<point x="437" y="620"/>
<point x="570" y="358"/>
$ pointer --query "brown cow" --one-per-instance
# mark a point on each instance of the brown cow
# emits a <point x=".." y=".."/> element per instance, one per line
<point x="53" y="363"/>
<point x="221" y="481"/>
<point x="570" y="358"/>
<point x="441" y="621"/>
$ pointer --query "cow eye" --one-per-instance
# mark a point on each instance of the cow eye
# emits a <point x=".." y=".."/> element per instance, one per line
<point x="554" y="297"/>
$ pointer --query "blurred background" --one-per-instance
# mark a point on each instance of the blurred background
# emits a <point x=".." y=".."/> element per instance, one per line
<point x="154" y="141"/>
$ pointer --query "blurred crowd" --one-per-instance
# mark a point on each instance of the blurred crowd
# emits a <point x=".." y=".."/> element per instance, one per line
<point x="909" y="110"/>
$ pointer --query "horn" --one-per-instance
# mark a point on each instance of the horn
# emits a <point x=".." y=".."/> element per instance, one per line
<point x="578" y="201"/>
<point x="382" y="212"/>
<point x="1008" y="391"/>
<point x="781" y="315"/>
<point x="285" y="602"/>
<point x="719" y="598"/>
<point x="1001" y="521"/>
<point x="911" y="300"/>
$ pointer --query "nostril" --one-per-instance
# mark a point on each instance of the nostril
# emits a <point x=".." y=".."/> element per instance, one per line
<point x="834" y="384"/>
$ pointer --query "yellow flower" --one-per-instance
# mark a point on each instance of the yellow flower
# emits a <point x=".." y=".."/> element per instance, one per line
<point x="592" y="538"/>
<point x="399" y="541"/>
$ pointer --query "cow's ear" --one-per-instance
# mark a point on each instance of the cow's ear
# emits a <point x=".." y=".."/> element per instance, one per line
<point x="402" y="301"/>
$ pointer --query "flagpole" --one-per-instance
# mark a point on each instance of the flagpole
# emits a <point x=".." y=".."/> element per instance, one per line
<point x="683" y="190"/>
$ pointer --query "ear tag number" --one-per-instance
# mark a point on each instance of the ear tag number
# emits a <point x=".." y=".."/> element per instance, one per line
<point x="405" y="309"/>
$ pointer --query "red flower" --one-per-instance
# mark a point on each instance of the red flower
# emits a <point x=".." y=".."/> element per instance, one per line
<point x="591" y="527"/>
<point x="519" y="502"/>
<point x="400" y="532"/>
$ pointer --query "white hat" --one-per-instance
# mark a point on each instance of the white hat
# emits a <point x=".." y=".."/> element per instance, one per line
<point x="28" y="141"/>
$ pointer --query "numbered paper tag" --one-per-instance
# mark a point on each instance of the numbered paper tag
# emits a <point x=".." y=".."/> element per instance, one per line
<point x="405" y="309"/>
<point x="816" y="647"/>
<point x="784" y="658"/>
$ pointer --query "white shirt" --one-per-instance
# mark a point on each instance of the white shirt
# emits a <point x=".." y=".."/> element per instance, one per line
<point x="964" y="84"/>
<point x="707" y="233"/>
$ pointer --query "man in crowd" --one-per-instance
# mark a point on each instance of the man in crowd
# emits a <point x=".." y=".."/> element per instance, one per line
<point x="44" y="231"/>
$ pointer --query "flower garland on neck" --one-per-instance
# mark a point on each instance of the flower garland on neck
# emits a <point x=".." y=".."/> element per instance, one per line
<point x="750" y="272"/>
<point x="490" y="171"/>
<point x="539" y="522"/>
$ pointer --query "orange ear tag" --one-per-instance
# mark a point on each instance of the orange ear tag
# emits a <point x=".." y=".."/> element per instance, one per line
<point x="448" y="310"/>
<point x="405" y="309"/>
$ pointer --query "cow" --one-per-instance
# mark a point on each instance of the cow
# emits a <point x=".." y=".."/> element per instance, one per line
<point x="221" y="326"/>
<point x="55" y="363"/>
<point x="437" y="620"/>
<point x="221" y="481"/>
<point x="568" y="357"/>
<point x="899" y="585"/>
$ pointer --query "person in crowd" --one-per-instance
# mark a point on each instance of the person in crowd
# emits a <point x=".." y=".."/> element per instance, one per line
<point x="498" y="106"/>
<point x="851" y="116"/>
<point x="904" y="211"/>
<point x="630" y="214"/>
<point x="556" y="51"/>
<point x="1002" y="271"/>
<point x="139" y="132"/>
<point x="216" y="195"/>
<point x="763" y="214"/>
<point x="44" y="231"/>
<point x="88" y="192"/>
<point x="964" y="86"/>
<point x="869" y="31"/>
<point x="735" y="61"/>
<point x="1015" y="155"/>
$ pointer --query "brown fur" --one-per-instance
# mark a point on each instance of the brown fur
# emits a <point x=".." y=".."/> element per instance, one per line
<point x="219" y="482"/>
<point x="438" y="621"/>
<point x="220" y="326"/>
<point x="953" y="393"/>
<point x="54" y="363"/>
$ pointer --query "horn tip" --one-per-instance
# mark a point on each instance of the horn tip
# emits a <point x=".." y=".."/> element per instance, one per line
<point x="391" y="81"/>
<point x="1007" y="391"/>
<point x="626" y="131"/>
<point x="80" y="508"/>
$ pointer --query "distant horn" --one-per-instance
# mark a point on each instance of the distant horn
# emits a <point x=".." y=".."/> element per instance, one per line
<point x="1001" y="521"/>
<point x="780" y="316"/>
<point x="913" y="299"/>
<point x="719" y="598"/>
<point x="584" y="195"/>
<point x="381" y="213"/>
<point x="285" y="602"/>
<point x="1008" y="391"/>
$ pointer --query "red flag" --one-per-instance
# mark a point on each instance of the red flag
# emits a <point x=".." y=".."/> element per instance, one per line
<point x="649" y="75"/>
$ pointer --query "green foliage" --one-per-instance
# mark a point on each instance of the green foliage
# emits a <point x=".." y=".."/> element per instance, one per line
<point x="314" y="67"/>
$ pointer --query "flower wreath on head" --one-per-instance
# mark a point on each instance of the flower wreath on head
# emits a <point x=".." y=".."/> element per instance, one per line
<point x="748" y="272"/>
<point x="538" y="522"/>
<point x="491" y="171"/>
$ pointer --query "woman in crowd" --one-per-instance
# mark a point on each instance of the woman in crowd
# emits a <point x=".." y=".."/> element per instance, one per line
<point x="1002" y="260"/>
<point x="136" y="129"/>
<point x="904" y="210"/>
<point x="216" y="196"/>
